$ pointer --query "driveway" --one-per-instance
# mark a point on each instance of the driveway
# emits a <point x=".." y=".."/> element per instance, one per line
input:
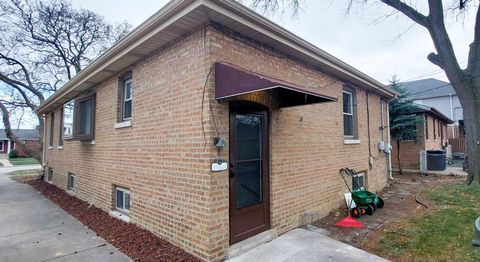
<point x="34" y="229"/>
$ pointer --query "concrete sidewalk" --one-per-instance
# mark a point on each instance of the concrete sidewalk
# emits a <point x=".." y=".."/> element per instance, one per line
<point x="34" y="229"/>
<point x="300" y="245"/>
<point x="5" y="162"/>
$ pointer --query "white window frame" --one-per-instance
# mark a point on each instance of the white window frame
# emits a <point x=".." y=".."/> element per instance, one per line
<point x="125" y="99"/>
<point x="2" y="145"/>
<point x="69" y="106"/>
<point x="125" y="191"/>
<point x="72" y="186"/>
<point x="352" y="114"/>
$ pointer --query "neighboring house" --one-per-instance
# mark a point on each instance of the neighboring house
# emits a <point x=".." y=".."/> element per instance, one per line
<point x="147" y="114"/>
<point x="438" y="94"/>
<point x="431" y="135"/>
<point x="27" y="136"/>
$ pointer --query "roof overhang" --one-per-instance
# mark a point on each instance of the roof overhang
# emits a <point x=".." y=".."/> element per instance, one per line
<point x="232" y="81"/>
<point x="432" y="111"/>
<point x="182" y="17"/>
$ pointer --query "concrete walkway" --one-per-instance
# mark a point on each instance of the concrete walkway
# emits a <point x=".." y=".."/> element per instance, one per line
<point x="300" y="245"/>
<point x="34" y="229"/>
<point x="449" y="171"/>
<point x="5" y="162"/>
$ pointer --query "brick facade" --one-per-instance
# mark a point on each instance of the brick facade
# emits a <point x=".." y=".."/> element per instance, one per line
<point x="164" y="157"/>
<point x="410" y="150"/>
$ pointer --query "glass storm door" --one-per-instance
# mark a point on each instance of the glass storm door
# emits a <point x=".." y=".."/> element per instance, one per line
<point x="249" y="175"/>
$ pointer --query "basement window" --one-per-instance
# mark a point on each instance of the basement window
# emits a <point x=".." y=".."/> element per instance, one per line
<point x="50" y="174"/>
<point x="358" y="182"/>
<point x="71" y="182"/>
<point x="122" y="200"/>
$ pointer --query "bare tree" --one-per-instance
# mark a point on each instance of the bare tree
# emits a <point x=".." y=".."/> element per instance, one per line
<point x="45" y="43"/>
<point x="465" y="81"/>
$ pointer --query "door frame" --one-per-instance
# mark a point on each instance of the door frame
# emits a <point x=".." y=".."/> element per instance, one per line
<point x="245" y="107"/>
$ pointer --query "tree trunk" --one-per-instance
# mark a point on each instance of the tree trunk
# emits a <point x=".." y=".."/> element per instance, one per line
<point x="471" y="115"/>
<point x="398" y="158"/>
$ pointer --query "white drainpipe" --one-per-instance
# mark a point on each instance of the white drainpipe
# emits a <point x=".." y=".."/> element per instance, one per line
<point x="389" y="157"/>
<point x="8" y="147"/>
<point x="44" y="152"/>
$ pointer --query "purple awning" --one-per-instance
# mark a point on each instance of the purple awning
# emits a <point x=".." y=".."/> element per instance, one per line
<point x="232" y="81"/>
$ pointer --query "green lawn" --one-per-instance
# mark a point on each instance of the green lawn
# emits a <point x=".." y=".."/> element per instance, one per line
<point x="23" y="161"/>
<point x="441" y="235"/>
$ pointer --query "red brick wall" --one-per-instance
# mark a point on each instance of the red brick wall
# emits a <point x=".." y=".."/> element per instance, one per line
<point x="410" y="150"/>
<point x="32" y="144"/>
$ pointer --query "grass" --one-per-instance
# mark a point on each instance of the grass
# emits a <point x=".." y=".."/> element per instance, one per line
<point x="23" y="175"/>
<point x="441" y="235"/>
<point x="23" y="161"/>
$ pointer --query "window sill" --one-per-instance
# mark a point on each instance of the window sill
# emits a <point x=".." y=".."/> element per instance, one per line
<point x="351" y="141"/>
<point x="127" y="123"/>
<point x="50" y="147"/>
<point x="120" y="216"/>
<point x="70" y="192"/>
<point x="59" y="147"/>
<point x="87" y="142"/>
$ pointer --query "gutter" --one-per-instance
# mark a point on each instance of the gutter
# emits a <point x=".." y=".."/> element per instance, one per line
<point x="177" y="9"/>
<point x="298" y="43"/>
<point x="116" y="51"/>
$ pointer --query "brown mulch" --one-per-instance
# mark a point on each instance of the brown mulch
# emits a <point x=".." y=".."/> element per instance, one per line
<point x="137" y="243"/>
<point x="400" y="203"/>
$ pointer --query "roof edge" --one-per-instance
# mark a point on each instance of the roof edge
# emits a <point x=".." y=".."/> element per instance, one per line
<point x="177" y="8"/>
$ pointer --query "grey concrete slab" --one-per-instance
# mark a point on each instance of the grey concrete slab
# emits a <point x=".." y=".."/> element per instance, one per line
<point x="300" y="245"/>
<point x="34" y="229"/>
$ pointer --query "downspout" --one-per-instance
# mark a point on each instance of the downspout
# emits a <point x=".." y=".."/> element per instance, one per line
<point x="451" y="115"/>
<point x="44" y="152"/>
<point x="370" y="158"/>
<point x="389" y="151"/>
<point x="8" y="147"/>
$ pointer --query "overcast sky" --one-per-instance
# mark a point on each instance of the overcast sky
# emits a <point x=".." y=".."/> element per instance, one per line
<point x="379" y="49"/>
<point x="395" y="46"/>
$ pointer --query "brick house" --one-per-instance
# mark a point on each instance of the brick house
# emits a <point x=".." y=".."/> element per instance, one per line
<point x="27" y="136"/>
<point x="135" y="132"/>
<point x="431" y="135"/>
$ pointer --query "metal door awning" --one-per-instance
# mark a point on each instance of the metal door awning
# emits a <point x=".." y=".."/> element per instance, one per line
<point x="231" y="81"/>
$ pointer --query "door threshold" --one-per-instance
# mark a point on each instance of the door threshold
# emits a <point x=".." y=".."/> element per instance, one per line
<point x="250" y="243"/>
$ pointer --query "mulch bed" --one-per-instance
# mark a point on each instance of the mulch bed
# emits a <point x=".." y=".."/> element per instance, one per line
<point x="137" y="243"/>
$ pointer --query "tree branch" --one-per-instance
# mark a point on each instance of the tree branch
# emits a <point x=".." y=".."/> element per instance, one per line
<point x="409" y="11"/>
<point x="432" y="57"/>
<point x="445" y="57"/>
